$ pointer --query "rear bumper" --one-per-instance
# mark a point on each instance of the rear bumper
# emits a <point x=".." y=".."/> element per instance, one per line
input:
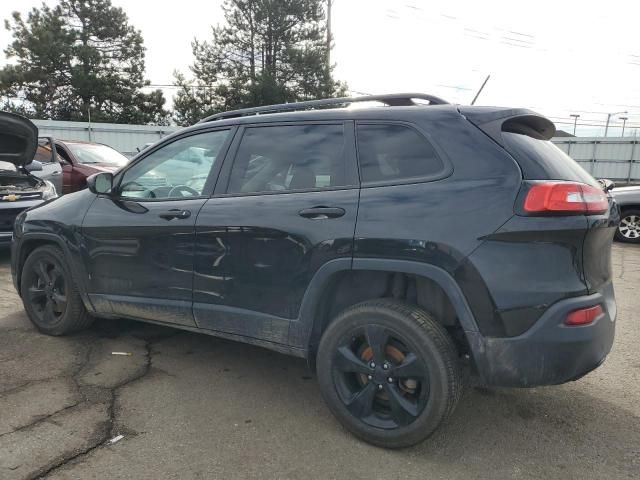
<point x="549" y="352"/>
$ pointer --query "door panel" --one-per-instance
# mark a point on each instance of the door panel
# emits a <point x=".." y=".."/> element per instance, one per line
<point x="256" y="255"/>
<point x="67" y="168"/>
<point x="139" y="263"/>
<point x="140" y="241"/>
<point x="52" y="172"/>
<point x="51" y="168"/>
<point x="290" y="206"/>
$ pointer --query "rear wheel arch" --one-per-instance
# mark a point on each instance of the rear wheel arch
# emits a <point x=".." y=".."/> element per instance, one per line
<point x="423" y="285"/>
<point x="627" y="208"/>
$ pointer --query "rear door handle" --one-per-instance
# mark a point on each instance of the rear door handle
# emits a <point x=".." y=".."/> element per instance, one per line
<point x="56" y="173"/>
<point x="321" y="213"/>
<point x="175" y="213"/>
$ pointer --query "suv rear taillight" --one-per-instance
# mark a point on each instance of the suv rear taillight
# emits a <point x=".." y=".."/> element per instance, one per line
<point x="565" y="197"/>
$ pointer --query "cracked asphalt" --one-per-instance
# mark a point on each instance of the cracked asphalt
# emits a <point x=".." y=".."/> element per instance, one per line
<point x="193" y="406"/>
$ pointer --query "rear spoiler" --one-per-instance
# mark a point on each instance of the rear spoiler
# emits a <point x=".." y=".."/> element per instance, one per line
<point x="493" y="121"/>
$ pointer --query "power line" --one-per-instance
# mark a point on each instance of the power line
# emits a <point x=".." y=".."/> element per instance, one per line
<point x="173" y="85"/>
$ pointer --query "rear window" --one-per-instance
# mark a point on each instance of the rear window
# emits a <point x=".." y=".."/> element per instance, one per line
<point x="395" y="153"/>
<point x="542" y="160"/>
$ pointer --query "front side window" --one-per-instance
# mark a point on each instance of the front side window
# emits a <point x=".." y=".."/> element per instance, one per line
<point x="177" y="170"/>
<point x="389" y="153"/>
<point x="62" y="155"/>
<point x="285" y="158"/>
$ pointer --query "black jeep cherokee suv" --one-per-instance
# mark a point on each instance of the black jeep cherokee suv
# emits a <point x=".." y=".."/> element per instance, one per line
<point x="391" y="246"/>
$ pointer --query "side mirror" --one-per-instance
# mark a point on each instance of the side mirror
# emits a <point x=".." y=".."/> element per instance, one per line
<point x="100" y="183"/>
<point x="34" y="166"/>
<point x="606" y="184"/>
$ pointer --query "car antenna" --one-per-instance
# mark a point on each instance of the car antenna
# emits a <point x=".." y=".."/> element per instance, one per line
<point x="481" y="88"/>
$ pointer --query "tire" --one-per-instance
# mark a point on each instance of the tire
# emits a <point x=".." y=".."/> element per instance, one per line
<point x="49" y="294"/>
<point x="390" y="408"/>
<point x="629" y="229"/>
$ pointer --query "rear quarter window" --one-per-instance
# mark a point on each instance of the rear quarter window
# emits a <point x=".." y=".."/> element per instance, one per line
<point x="542" y="160"/>
<point x="395" y="153"/>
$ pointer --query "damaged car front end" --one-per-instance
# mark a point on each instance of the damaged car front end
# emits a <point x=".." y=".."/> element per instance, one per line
<point x="19" y="188"/>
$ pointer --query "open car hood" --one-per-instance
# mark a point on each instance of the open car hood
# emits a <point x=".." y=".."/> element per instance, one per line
<point x="18" y="139"/>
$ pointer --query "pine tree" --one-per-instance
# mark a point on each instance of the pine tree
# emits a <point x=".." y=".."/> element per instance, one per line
<point x="268" y="51"/>
<point x="76" y="56"/>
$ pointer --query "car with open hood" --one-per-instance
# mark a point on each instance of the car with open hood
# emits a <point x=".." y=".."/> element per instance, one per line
<point x="20" y="189"/>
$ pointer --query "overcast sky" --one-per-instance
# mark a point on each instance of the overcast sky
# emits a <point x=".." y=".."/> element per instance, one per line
<point x="557" y="57"/>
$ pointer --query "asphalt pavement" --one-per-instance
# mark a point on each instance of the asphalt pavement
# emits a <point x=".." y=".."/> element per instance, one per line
<point x="188" y="406"/>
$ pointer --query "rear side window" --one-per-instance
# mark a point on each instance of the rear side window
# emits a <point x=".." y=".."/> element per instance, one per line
<point x="542" y="160"/>
<point x="395" y="153"/>
<point x="285" y="158"/>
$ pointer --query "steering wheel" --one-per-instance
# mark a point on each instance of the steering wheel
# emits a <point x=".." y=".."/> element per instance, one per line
<point x="182" y="189"/>
<point x="141" y="188"/>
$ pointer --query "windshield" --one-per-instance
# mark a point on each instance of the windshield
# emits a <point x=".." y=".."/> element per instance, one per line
<point x="88" y="153"/>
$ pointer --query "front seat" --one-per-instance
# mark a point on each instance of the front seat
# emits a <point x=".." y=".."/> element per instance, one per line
<point x="302" y="178"/>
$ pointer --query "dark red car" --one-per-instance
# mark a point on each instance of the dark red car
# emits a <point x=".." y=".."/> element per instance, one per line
<point x="82" y="159"/>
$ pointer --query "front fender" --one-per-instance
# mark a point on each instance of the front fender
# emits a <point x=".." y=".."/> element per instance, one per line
<point x="30" y="241"/>
<point x="58" y="222"/>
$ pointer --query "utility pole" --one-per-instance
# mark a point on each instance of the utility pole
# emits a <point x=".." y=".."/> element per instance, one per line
<point x="575" y="122"/>
<point x="329" y="35"/>
<point x="624" y="123"/>
<point x="89" y="125"/>
<point x="609" y="115"/>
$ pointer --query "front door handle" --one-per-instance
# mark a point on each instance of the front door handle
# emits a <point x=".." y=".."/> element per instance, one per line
<point x="321" y="213"/>
<point x="56" y="173"/>
<point x="175" y="213"/>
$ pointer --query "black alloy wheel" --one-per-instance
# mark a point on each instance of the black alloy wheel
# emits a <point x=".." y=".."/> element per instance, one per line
<point x="379" y="379"/>
<point x="389" y="372"/>
<point x="49" y="293"/>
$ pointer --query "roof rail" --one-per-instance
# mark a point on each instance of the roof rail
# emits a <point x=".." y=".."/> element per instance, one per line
<point x="392" y="100"/>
